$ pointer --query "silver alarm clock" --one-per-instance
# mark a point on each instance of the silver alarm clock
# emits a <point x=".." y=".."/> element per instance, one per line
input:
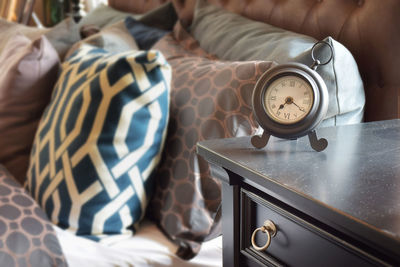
<point x="290" y="101"/>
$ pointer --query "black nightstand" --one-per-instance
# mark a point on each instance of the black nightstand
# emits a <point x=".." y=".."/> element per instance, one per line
<point x="339" y="207"/>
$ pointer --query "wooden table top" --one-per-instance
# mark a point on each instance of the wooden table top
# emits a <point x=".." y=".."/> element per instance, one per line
<point x="354" y="184"/>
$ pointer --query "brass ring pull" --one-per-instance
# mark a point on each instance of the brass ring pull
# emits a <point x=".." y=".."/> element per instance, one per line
<point x="270" y="229"/>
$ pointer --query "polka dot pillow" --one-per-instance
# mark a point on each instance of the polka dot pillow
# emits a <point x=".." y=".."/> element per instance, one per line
<point x="209" y="99"/>
<point x="27" y="237"/>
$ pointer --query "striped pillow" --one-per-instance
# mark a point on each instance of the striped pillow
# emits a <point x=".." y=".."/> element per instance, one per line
<point x="100" y="140"/>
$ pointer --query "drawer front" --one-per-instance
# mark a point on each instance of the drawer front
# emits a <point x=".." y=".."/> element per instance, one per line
<point x="297" y="242"/>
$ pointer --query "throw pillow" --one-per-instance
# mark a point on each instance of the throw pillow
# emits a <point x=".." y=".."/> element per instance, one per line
<point x="209" y="99"/>
<point x="62" y="36"/>
<point x="104" y="15"/>
<point x="231" y="36"/>
<point x="114" y="38"/>
<point x="27" y="236"/>
<point x="27" y="77"/>
<point x="8" y="29"/>
<point x="100" y="140"/>
<point x="145" y="36"/>
<point x="162" y="17"/>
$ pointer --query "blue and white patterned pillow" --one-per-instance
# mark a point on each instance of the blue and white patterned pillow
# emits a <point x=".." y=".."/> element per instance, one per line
<point x="100" y="139"/>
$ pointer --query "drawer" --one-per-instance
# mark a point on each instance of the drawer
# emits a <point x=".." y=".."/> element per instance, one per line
<point x="298" y="242"/>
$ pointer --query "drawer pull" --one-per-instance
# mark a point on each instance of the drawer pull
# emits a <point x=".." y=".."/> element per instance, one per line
<point x="270" y="229"/>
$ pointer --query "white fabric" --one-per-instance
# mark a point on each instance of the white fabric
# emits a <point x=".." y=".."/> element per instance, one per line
<point x="92" y="4"/>
<point x="148" y="247"/>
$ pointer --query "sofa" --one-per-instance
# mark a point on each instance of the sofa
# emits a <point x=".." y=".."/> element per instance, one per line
<point x="100" y="116"/>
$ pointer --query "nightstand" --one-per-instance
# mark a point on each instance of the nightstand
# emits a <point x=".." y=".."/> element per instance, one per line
<point x="339" y="207"/>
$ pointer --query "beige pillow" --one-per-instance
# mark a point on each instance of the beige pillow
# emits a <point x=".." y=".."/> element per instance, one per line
<point x="26" y="83"/>
<point x="9" y="29"/>
<point x="114" y="38"/>
<point x="62" y="36"/>
<point x="104" y="15"/>
<point x="162" y="17"/>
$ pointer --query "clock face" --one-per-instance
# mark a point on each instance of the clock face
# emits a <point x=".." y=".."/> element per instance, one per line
<point x="288" y="99"/>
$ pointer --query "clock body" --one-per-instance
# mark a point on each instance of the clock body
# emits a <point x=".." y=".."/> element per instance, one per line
<point x="290" y="100"/>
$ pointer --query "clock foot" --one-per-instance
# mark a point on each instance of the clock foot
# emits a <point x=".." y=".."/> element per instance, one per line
<point x="317" y="144"/>
<point x="260" y="141"/>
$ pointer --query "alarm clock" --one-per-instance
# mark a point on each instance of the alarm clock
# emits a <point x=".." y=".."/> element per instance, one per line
<point x="289" y="101"/>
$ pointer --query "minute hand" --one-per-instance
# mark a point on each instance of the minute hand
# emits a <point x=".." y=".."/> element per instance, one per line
<point x="301" y="108"/>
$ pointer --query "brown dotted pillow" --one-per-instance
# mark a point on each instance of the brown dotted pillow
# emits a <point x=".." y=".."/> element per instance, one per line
<point x="27" y="237"/>
<point x="209" y="99"/>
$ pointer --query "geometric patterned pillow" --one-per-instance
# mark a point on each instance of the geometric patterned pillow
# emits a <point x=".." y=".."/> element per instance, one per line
<point x="210" y="99"/>
<point x="100" y="139"/>
<point x="27" y="237"/>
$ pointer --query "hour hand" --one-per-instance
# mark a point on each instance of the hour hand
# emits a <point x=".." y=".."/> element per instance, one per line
<point x="280" y="107"/>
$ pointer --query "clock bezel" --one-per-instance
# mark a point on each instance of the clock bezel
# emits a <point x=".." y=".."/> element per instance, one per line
<point x="306" y="124"/>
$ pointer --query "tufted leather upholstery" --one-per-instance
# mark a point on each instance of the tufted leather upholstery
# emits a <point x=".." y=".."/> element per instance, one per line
<point x="370" y="29"/>
<point x="135" y="6"/>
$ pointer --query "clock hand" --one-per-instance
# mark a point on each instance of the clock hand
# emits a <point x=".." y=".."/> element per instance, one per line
<point x="301" y="108"/>
<point x="280" y="107"/>
<point x="288" y="100"/>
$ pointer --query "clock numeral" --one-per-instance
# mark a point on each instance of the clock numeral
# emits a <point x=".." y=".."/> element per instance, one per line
<point x="283" y="84"/>
<point x="306" y="101"/>
<point x="286" y="115"/>
<point x="273" y="97"/>
<point x="306" y="93"/>
<point x="278" y="113"/>
<point x="273" y="106"/>
<point x="291" y="83"/>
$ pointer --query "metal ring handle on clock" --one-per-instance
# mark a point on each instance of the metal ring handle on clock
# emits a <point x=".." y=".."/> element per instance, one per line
<point x="317" y="62"/>
<point x="269" y="229"/>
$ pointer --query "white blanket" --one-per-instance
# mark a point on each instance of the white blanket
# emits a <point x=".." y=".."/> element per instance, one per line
<point x="148" y="247"/>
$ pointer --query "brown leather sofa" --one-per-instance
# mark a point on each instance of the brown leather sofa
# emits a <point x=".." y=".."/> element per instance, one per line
<point x="370" y="29"/>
